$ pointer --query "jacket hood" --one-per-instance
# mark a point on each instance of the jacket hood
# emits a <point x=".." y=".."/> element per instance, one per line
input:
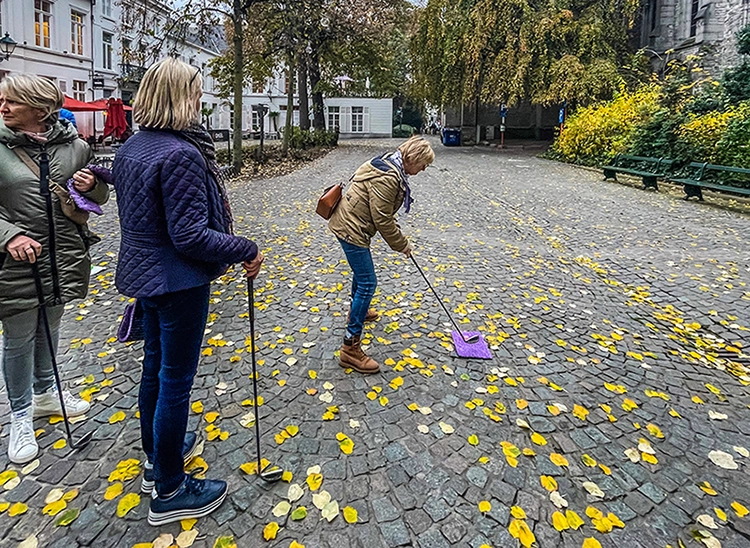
<point x="62" y="132"/>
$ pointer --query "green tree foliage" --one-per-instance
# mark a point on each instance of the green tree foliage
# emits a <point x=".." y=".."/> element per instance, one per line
<point x="507" y="50"/>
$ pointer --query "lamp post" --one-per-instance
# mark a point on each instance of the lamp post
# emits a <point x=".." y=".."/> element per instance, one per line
<point x="7" y="47"/>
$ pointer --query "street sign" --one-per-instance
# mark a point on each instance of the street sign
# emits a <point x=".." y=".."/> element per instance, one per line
<point x="561" y="117"/>
<point x="98" y="83"/>
<point x="503" y="110"/>
<point x="220" y="135"/>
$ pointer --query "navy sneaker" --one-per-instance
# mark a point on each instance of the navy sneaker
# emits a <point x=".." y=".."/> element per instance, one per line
<point x="194" y="499"/>
<point x="189" y="447"/>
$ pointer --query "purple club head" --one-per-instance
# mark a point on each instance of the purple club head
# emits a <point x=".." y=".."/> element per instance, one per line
<point x="464" y="349"/>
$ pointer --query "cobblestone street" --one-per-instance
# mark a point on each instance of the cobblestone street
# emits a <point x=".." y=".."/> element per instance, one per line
<point x="616" y="405"/>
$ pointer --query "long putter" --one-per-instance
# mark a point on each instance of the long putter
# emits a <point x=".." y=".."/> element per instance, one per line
<point x="270" y="473"/>
<point x="86" y="438"/>
<point x="470" y="340"/>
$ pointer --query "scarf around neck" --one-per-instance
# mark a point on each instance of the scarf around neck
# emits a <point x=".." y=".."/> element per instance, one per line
<point x="199" y="136"/>
<point x="398" y="161"/>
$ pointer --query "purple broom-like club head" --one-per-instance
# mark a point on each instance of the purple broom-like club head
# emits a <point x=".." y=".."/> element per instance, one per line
<point x="477" y="349"/>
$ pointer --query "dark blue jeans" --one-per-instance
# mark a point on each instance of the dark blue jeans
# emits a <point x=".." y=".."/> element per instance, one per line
<point x="364" y="283"/>
<point x="173" y="326"/>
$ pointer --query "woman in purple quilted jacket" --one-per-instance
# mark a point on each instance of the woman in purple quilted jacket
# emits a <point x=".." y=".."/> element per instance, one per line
<point x="177" y="237"/>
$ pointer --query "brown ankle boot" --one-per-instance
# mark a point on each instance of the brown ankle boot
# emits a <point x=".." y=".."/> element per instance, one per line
<point x="352" y="356"/>
<point x="371" y="316"/>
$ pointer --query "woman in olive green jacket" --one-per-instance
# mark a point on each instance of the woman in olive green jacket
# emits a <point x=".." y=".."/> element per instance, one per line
<point x="377" y="191"/>
<point x="29" y="106"/>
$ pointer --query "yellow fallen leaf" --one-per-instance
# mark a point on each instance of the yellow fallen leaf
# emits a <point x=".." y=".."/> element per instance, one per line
<point x="697" y="400"/>
<point x="654" y="431"/>
<point x="603" y="525"/>
<point x="113" y="491"/>
<point x="188" y="524"/>
<point x="517" y="512"/>
<point x="580" y="412"/>
<point x="296" y="544"/>
<point x="197" y="407"/>
<point x="211" y="416"/>
<point x="20" y="508"/>
<point x="292" y="430"/>
<point x="605" y="469"/>
<point x="117" y="417"/>
<point x="628" y="405"/>
<point x="617" y="522"/>
<point x="559" y="522"/>
<point x="558" y="460"/>
<point x="314" y="481"/>
<point x="270" y="531"/>
<point x="549" y="483"/>
<point x="522" y="404"/>
<point x="538" y="439"/>
<point x="721" y="514"/>
<point x="484" y="506"/>
<point x="591" y="542"/>
<point x="574" y="520"/>
<point x="350" y="514"/>
<point x="127" y="503"/>
<point x="520" y="530"/>
<point x="53" y="508"/>
<point x="706" y="487"/>
<point x="738" y="508"/>
<point x="649" y="458"/>
<point x="588" y="461"/>
<point x="59" y="444"/>
<point x="473" y="440"/>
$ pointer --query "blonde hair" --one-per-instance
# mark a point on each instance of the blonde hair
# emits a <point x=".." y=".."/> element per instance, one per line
<point x="166" y="98"/>
<point x="34" y="91"/>
<point x="417" y="150"/>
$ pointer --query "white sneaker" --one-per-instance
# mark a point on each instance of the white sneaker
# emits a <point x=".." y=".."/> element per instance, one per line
<point x="48" y="404"/>
<point x="22" y="447"/>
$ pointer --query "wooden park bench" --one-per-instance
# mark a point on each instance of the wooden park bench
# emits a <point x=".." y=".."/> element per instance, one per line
<point x="735" y="180"/>
<point x="648" y="169"/>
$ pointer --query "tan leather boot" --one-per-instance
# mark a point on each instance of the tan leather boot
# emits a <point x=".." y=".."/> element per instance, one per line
<point x="353" y="356"/>
<point x="371" y="316"/>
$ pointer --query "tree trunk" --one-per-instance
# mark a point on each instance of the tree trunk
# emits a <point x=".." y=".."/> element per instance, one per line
<point x="304" y="98"/>
<point x="289" y="105"/>
<point x="238" y="66"/>
<point x="319" y="120"/>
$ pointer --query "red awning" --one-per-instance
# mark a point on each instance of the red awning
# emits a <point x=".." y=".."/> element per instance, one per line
<point x="103" y="103"/>
<point x="74" y="105"/>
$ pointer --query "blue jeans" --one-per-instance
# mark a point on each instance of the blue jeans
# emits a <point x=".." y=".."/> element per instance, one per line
<point x="364" y="283"/>
<point x="26" y="359"/>
<point x="173" y="326"/>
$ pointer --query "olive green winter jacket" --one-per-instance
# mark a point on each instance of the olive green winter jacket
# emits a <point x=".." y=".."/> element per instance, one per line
<point x="23" y="211"/>
<point x="370" y="204"/>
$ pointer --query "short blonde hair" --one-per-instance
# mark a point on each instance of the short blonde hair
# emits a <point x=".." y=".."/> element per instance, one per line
<point x="417" y="150"/>
<point x="166" y="98"/>
<point x="34" y="91"/>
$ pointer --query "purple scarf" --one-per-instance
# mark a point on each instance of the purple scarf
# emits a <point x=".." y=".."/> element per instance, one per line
<point x="398" y="161"/>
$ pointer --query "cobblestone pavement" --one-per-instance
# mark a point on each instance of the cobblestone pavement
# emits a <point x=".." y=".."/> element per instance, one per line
<point x="611" y="313"/>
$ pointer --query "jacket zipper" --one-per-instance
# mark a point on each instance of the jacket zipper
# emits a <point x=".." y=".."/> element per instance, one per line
<point x="44" y="190"/>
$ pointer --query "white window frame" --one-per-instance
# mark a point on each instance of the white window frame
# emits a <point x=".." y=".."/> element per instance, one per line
<point x="334" y="117"/>
<point x="107" y="49"/>
<point x="358" y="120"/>
<point x="79" y="90"/>
<point x="42" y="23"/>
<point x="77" y="32"/>
<point x="107" y="8"/>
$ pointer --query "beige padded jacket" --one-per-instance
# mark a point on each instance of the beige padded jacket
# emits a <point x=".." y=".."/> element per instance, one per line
<point x="372" y="199"/>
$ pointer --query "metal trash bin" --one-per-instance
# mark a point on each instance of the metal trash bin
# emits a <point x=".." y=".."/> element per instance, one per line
<point x="451" y="137"/>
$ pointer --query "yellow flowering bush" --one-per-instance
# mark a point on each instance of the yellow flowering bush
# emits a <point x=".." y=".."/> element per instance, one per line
<point x="593" y="134"/>
<point x="702" y="132"/>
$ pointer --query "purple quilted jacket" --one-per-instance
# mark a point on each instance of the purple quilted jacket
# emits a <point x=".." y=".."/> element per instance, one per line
<point x="173" y="226"/>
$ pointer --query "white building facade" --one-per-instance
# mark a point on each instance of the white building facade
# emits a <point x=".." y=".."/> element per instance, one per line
<point x="100" y="49"/>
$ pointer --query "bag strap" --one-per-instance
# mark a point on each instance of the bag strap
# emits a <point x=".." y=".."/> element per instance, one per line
<point x="26" y="159"/>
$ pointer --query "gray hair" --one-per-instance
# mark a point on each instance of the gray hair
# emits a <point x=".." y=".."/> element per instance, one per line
<point x="34" y="91"/>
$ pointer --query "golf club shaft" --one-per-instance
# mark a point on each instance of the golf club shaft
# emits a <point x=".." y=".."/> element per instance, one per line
<point x="439" y="300"/>
<point x="251" y="306"/>
<point x="52" y="349"/>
